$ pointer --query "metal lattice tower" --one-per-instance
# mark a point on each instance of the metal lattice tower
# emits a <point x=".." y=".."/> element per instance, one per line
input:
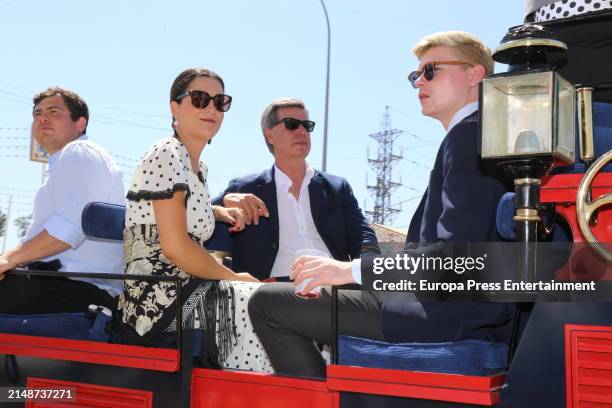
<point x="383" y="211"/>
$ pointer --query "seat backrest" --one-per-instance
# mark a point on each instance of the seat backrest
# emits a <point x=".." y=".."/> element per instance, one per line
<point x="103" y="221"/>
<point x="602" y="134"/>
<point x="506" y="209"/>
<point x="506" y="227"/>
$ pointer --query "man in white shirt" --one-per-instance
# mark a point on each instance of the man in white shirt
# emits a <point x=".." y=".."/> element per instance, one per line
<point x="79" y="172"/>
<point x="458" y="206"/>
<point x="293" y="207"/>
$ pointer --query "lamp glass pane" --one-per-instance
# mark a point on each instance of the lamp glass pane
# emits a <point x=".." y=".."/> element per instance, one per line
<point x="517" y="115"/>
<point x="565" y="120"/>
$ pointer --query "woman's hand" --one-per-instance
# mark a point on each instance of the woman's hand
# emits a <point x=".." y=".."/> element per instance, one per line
<point x="6" y="264"/>
<point x="252" y="206"/>
<point x="232" y="216"/>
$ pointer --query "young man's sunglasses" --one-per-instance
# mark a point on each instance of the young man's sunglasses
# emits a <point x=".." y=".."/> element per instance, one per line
<point x="293" y="124"/>
<point x="429" y="70"/>
<point x="201" y="99"/>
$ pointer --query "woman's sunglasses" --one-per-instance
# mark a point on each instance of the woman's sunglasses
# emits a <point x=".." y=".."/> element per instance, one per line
<point x="201" y="99"/>
<point x="293" y="124"/>
<point x="429" y="70"/>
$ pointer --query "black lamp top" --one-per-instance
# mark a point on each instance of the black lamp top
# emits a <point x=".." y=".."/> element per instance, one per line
<point x="530" y="46"/>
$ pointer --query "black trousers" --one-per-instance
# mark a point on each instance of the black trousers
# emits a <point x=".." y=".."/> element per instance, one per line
<point x="287" y="324"/>
<point x="45" y="294"/>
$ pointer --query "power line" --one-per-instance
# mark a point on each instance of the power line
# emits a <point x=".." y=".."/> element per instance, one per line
<point x="14" y="100"/>
<point x="121" y="157"/>
<point x="13" y="147"/>
<point x="157" y="115"/>
<point x="127" y="123"/>
<point x="22" y="203"/>
<point x="16" y="195"/>
<point x="408" y="199"/>
<point x="14" y="156"/>
<point x="14" y="94"/>
<point x="101" y="118"/>
<point x="17" y="189"/>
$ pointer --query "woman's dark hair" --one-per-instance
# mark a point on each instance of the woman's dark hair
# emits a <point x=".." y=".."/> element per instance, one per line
<point x="184" y="79"/>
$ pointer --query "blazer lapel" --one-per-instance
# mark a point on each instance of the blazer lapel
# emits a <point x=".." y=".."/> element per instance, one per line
<point x="266" y="190"/>
<point x="318" y="198"/>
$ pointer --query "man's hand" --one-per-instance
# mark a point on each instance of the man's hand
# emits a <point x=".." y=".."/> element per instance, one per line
<point x="6" y="265"/>
<point x="232" y="216"/>
<point x="252" y="206"/>
<point x="324" y="271"/>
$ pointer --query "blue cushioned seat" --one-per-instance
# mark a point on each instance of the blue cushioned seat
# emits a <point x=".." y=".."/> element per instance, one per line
<point x="77" y="326"/>
<point x="506" y="209"/>
<point x="466" y="357"/>
<point x="102" y="221"/>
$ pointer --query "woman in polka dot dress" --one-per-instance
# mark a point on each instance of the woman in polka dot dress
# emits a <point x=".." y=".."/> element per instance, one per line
<point x="169" y="216"/>
<point x="567" y="8"/>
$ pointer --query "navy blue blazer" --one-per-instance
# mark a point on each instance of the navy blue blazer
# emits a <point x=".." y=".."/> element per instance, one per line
<point x="459" y="205"/>
<point x="335" y="212"/>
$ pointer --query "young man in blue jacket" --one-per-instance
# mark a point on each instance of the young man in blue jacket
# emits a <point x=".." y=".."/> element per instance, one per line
<point x="459" y="205"/>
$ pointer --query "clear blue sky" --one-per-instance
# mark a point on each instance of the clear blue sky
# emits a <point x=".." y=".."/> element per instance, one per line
<point x="122" y="56"/>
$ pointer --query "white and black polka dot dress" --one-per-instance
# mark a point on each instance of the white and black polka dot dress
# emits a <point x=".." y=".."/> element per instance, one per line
<point x="149" y="307"/>
<point x="569" y="8"/>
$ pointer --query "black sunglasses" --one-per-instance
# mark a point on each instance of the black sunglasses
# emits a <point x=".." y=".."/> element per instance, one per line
<point x="293" y="124"/>
<point x="429" y="70"/>
<point x="201" y="99"/>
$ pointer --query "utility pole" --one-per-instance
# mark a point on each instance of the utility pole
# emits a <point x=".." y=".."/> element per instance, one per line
<point x="324" y="162"/>
<point x="383" y="211"/>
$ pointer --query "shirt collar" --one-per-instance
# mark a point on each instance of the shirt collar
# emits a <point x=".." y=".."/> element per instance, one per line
<point x="53" y="157"/>
<point x="461" y="114"/>
<point x="284" y="183"/>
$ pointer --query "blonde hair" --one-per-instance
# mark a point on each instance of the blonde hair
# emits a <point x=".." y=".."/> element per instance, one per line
<point x="466" y="45"/>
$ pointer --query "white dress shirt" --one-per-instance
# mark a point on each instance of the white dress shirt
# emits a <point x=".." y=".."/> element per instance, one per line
<point x="79" y="173"/>
<point x="461" y="114"/>
<point x="296" y="227"/>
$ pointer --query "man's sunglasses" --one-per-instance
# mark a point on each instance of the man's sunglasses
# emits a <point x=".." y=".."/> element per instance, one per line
<point x="429" y="70"/>
<point x="293" y="124"/>
<point x="201" y="99"/>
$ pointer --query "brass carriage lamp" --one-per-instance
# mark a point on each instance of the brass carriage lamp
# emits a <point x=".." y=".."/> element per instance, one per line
<point x="527" y="123"/>
<point x="528" y="116"/>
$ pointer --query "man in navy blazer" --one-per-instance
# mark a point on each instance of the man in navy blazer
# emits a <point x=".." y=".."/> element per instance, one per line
<point x="458" y="206"/>
<point x="292" y="206"/>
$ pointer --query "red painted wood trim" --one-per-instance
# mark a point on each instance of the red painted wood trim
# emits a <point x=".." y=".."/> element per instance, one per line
<point x="260" y="378"/>
<point x="121" y="355"/>
<point x="91" y="395"/>
<point x="563" y="188"/>
<point x="212" y="388"/>
<point x="416" y="377"/>
<point x="434" y="386"/>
